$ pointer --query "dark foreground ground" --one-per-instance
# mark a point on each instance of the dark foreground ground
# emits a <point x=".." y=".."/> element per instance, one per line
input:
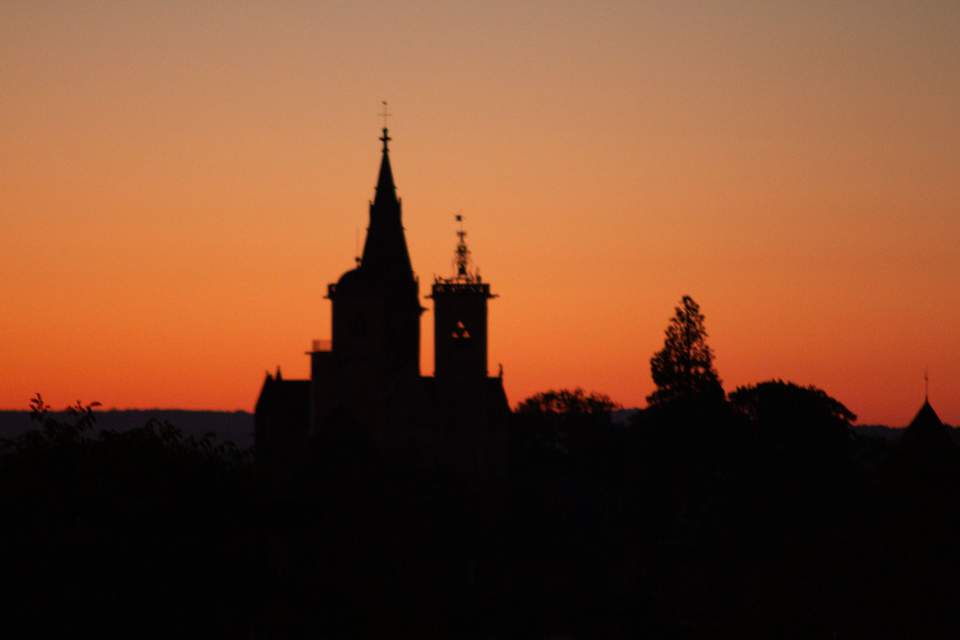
<point x="699" y="523"/>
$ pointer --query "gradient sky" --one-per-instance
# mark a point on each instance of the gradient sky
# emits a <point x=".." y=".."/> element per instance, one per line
<point x="180" y="180"/>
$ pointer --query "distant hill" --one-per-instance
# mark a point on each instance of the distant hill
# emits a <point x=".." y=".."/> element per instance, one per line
<point x="237" y="426"/>
<point x="624" y="416"/>
<point x="233" y="426"/>
<point x="879" y="431"/>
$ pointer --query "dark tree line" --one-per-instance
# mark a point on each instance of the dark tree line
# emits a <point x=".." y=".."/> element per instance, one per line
<point x="118" y="532"/>
<point x="759" y="513"/>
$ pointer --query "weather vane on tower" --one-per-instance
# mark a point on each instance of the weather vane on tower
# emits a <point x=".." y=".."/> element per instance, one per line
<point x="461" y="258"/>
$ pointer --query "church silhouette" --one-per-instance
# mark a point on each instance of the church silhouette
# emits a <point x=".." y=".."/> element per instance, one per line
<point x="365" y="383"/>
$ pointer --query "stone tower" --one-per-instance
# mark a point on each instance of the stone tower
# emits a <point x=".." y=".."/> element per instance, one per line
<point x="460" y="320"/>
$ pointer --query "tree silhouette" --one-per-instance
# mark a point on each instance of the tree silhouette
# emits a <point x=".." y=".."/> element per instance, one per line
<point x="567" y="401"/>
<point x="787" y="405"/>
<point x="804" y="424"/>
<point x="683" y="369"/>
<point x="557" y="418"/>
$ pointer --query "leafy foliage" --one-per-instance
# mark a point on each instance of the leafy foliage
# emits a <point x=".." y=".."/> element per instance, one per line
<point x="800" y="425"/>
<point x="555" y="417"/>
<point x="107" y="523"/>
<point x="566" y="401"/>
<point x="78" y="431"/>
<point x="785" y="403"/>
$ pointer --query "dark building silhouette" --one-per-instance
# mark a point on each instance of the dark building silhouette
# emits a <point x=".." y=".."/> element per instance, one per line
<point x="925" y="457"/>
<point x="928" y="438"/>
<point x="926" y="425"/>
<point x="365" y="384"/>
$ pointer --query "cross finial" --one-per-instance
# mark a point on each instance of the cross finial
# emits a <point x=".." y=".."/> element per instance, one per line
<point x="385" y="138"/>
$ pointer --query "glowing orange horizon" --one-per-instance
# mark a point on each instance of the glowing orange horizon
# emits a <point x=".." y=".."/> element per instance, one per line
<point x="179" y="184"/>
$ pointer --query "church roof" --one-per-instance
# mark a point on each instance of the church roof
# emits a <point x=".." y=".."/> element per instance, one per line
<point x="926" y="418"/>
<point x="278" y="394"/>
<point x="349" y="280"/>
<point x="927" y="432"/>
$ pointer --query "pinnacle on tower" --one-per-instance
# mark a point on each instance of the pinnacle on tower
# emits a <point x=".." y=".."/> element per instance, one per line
<point x="464" y="271"/>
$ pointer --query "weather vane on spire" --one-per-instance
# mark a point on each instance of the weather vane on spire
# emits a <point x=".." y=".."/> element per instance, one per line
<point x="385" y="114"/>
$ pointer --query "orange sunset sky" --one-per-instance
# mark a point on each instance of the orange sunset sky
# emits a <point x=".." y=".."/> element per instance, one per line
<point x="180" y="180"/>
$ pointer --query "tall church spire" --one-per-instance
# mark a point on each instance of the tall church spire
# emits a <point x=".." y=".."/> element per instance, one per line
<point x="385" y="250"/>
<point x="386" y="194"/>
<point x="376" y="307"/>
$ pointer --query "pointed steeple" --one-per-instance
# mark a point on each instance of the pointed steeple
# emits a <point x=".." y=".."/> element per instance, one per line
<point x="385" y="249"/>
<point x="926" y="418"/>
<point x="929" y="439"/>
<point x="376" y="306"/>
<point x="386" y="193"/>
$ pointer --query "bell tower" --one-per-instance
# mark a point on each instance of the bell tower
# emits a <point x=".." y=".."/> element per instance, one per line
<point x="460" y="319"/>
